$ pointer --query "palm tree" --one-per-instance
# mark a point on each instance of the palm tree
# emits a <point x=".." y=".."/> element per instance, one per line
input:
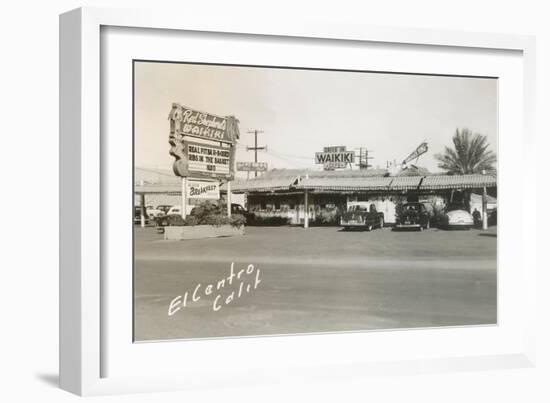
<point x="469" y="156"/>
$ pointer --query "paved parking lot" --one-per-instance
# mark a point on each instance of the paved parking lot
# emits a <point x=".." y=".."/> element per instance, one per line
<point x="314" y="280"/>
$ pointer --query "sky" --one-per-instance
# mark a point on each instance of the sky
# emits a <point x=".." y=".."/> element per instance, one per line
<point x="302" y="111"/>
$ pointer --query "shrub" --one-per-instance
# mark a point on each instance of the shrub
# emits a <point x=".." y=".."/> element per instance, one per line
<point x="399" y="209"/>
<point x="211" y="213"/>
<point x="190" y="221"/>
<point x="437" y="216"/>
<point x="238" y="220"/>
<point x="216" y="220"/>
<point x="327" y="217"/>
<point x="271" y="221"/>
<point x="175" y="220"/>
<point x="206" y="213"/>
<point x="206" y="209"/>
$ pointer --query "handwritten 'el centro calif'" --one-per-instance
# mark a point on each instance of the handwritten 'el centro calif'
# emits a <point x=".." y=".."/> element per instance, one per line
<point x="246" y="280"/>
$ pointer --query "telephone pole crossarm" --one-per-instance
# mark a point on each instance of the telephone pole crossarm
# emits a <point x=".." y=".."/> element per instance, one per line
<point x="256" y="147"/>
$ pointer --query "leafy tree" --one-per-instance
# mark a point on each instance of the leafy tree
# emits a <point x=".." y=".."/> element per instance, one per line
<point x="470" y="154"/>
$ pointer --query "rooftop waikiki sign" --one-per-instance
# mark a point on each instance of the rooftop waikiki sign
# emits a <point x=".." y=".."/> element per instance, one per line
<point x="335" y="157"/>
<point x="202" y="143"/>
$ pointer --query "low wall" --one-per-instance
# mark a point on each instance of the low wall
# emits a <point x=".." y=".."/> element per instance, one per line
<point x="179" y="233"/>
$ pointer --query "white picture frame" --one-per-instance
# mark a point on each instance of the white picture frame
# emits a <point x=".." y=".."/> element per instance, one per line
<point x="84" y="346"/>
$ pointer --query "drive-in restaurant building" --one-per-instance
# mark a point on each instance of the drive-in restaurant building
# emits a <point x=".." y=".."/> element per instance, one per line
<point x="289" y="193"/>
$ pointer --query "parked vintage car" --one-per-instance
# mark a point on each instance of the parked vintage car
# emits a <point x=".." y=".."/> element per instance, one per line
<point x="458" y="219"/>
<point x="174" y="210"/>
<point x="413" y="216"/>
<point x="137" y="215"/>
<point x="360" y="215"/>
<point x="164" y="208"/>
<point x="154" y="212"/>
<point x="164" y="219"/>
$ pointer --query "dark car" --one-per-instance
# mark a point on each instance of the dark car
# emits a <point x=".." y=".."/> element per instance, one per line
<point x="137" y="215"/>
<point x="238" y="209"/>
<point x="413" y="216"/>
<point x="359" y="216"/>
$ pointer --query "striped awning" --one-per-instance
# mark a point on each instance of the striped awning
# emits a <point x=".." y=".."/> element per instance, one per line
<point x="405" y="182"/>
<point x="153" y="188"/>
<point x="335" y="183"/>
<point x="260" y="185"/>
<point x="435" y="182"/>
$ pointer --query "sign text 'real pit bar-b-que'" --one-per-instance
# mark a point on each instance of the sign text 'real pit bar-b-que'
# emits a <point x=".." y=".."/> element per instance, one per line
<point x="208" y="158"/>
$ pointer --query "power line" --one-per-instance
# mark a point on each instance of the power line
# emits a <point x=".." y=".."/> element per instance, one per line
<point x="298" y="157"/>
<point x="290" y="161"/>
<point x="156" y="171"/>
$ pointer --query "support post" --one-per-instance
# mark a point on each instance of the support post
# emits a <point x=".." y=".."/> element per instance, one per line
<point x="306" y="212"/>
<point x="142" y="209"/>
<point x="229" y="198"/>
<point x="184" y="198"/>
<point x="484" y="208"/>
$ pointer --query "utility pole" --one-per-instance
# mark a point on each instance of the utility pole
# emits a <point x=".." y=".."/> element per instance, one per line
<point x="484" y="206"/>
<point x="364" y="158"/>
<point x="255" y="148"/>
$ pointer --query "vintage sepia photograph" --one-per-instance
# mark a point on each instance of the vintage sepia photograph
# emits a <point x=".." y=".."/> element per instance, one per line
<point x="271" y="200"/>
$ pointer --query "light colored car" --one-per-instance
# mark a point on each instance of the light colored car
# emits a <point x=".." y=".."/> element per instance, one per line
<point x="164" y="208"/>
<point x="174" y="210"/>
<point x="459" y="219"/>
<point x="154" y="212"/>
<point x="177" y="209"/>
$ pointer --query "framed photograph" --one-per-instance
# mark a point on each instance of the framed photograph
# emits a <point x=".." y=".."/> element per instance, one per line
<point x="246" y="203"/>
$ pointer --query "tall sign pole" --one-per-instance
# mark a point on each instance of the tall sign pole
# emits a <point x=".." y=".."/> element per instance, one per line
<point x="484" y="207"/>
<point x="306" y="208"/>
<point x="184" y="198"/>
<point x="229" y="198"/>
<point x="142" y="209"/>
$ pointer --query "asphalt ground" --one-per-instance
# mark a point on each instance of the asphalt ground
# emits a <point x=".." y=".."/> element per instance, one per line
<point x="314" y="280"/>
